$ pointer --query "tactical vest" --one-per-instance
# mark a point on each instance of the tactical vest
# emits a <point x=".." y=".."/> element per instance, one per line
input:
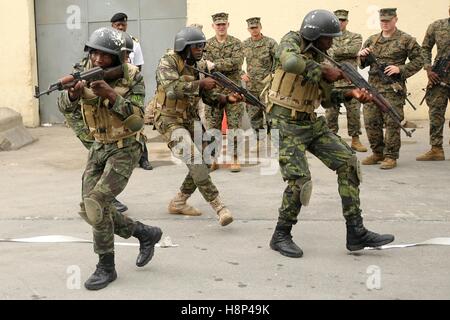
<point x="105" y="126"/>
<point x="173" y="106"/>
<point x="288" y="91"/>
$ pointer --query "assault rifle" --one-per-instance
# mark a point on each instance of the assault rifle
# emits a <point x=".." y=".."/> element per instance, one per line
<point x="227" y="83"/>
<point x="351" y="74"/>
<point x="90" y="75"/>
<point x="441" y="67"/>
<point x="391" y="80"/>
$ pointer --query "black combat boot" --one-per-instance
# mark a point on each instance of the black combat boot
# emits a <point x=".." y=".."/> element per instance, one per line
<point x="104" y="274"/>
<point x="358" y="237"/>
<point x="282" y="242"/>
<point x="148" y="236"/>
<point x="119" y="205"/>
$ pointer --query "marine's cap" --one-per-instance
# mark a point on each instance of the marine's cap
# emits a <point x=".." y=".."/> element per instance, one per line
<point x="341" y="14"/>
<point x="254" y="22"/>
<point x="386" y="14"/>
<point x="122" y="17"/>
<point x="196" y="25"/>
<point x="220" y="17"/>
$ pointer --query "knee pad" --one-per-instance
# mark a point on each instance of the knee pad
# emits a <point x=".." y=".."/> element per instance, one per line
<point x="304" y="190"/>
<point x="94" y="211"/>
<point x="351" y="170"/>
<point x="82" y="213"/>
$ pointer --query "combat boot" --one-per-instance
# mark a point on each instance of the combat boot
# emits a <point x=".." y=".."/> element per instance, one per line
<point x="222" y="211"/>
<point x="435" y="154"/>
<point x="235" y="166"/>
<point x="148" y="236"/>
<point x="282" y="242"/>
<point x="388" y="163"/>
<point x="358" y="237"/>
<point x="103" y="274"/>
<point x="374" y="158"/>
<point x="357" y="145"/>
<point x="119" y="205"/>
<point x="178" y="205"/>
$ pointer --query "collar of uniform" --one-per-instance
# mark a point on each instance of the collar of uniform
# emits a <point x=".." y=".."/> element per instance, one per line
<point x="395" y="36"/>
<point x="227" y="41"/>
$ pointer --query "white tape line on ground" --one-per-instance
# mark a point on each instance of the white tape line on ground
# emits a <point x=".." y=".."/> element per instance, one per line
<point x="434" y="241"/>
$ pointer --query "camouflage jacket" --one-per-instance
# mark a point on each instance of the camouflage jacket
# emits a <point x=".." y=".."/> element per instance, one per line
<point x="227" y="56"/>
<point x="345" y="49"/>
<point x="437" y="33"/>
<point x="183" y="82"/>
<point x="260" y="56"/>
<point x="394" y="51"/>
<point x="72" y="109"/>
<point x="292" y="43"/>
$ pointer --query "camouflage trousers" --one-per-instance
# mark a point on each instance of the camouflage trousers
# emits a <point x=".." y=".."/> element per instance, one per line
<point x="180" y="135"/>
<point x="214" y="117"/>
<point x="296" y="136"/>
<point x="374" y="120"/>
<point x="107" y="173"/>
<point x="353" y="118"/>
<point x="255" y="114"/>
<point x="437" y="101"/>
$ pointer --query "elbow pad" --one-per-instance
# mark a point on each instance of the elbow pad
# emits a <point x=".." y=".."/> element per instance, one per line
<point x="292" y="63"/>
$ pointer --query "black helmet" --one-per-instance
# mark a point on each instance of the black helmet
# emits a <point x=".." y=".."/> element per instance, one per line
<point x="319" y="23"/>
<point x="129" y="45"/>
<point x="108" y="40"/>
<point x="187" y="36"/>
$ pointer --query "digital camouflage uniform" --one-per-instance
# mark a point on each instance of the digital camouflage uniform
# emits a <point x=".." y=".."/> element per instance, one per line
<point x="180" y="115"/>
<point x="391" y="51"/>
<point x="303" y="131"/>
<point x="438" y="33"/>
<point x="345" y="49"/>
<point x="110" y="163"/>
<point x="260" y="58"/>
<point x="227" y="58"/>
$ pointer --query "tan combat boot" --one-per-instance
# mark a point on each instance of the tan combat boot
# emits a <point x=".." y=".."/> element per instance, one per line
<point x="373" y="159"/>
<point x="178" y="205"/>
<point x="435" y="154"/>
<point x="224" y="214"/>
<point x="235" y="166"/>
<point x="357" y="145"/>
<point x="388" y="163"/>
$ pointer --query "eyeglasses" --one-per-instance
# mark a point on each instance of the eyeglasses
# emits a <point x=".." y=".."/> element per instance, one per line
<point x="200" y="45"/>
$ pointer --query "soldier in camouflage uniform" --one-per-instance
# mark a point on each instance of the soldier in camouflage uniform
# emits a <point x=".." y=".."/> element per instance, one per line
<point x="179" y="89"/>
<point x="299" y="86"/>
<point x="259" y="52"/>
<point x="226" y="53"/>
<point x="113" y="114"/>
<point x="391" y="48"/>
<point x="345" y="49"/>
<point x="438" y="33"/>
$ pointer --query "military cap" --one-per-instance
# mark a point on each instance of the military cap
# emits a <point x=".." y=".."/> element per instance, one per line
<point x="253" y="22"/>
<point x="119" y="17"/>
<point x="220" y="17"/>
<point x="341" y="14"/>
<point x="196" y="25"/>
<point x="388" y="13"/>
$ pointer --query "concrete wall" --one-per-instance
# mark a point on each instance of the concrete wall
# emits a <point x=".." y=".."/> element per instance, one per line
<point x="281" y="16"/>
<point x="18" y="59"/>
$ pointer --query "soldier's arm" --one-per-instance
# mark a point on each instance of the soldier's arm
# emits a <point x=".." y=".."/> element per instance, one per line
<point x="290" y="56"/>
<point x="65" y="105"/>
<point x="427" y="46"/>
<point x="273" y="51"/>
<point x="350" y="50"/>
<point x="123" y="106"/>
<point x="169" y="79"/>
<point x="415" y="60"/>
<point x="233" y="63"/>
<point x="361" y="60"/>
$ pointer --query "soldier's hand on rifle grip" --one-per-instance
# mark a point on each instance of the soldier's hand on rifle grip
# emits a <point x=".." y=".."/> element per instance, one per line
<point x="362" y="95"/>
<point x="364" y="52"/>
<point x="104" y="90"/>
<point x="76" y="91"/>
<point x="207" y="83"/>
<point x="331" y="74"/>
<point x="235" y="98"/>
<point x="433" y="77"/>
<point x="391" y="70"/>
